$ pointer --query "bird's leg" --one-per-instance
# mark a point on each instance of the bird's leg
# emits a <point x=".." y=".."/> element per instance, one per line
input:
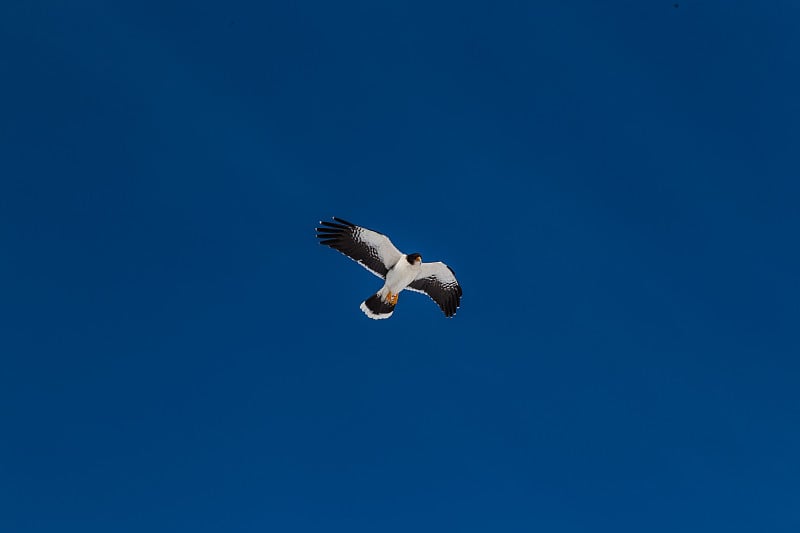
<point x="394" y="298"/>
<point x="389" y="297"/>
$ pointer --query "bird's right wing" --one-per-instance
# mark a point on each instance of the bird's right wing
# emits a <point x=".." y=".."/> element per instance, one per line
<point x="438" y="281"/>
<point x="372" y="250"/>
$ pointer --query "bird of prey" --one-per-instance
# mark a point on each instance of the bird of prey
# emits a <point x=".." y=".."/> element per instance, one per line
<point x="375" y="252"/>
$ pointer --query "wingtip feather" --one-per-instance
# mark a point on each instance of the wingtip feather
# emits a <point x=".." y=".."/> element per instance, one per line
<point x="343" y="221"/>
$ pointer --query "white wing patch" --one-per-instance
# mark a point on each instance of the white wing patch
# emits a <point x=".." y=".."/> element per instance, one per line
<point x="385" y="251"/>
<point x="439" y="282"/>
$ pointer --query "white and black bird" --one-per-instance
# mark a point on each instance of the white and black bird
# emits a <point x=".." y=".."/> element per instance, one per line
<point x="375" y="252"/>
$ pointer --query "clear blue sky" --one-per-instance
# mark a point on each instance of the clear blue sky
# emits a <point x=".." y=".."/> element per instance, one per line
<point x="615" y="184"/>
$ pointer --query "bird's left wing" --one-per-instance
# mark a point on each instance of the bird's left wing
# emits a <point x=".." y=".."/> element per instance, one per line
<point x="438" y="281"/>
<point x="372" y="250"/>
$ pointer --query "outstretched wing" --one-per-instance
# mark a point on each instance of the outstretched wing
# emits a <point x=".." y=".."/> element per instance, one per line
<point x="372" y="250"/>
<point x="438" y="281"/>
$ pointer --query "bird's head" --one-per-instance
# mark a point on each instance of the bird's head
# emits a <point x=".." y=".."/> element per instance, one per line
<point x="414" y="259"/>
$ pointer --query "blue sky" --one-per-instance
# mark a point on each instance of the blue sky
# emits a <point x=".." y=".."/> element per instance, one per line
<point x="614" y="183"/>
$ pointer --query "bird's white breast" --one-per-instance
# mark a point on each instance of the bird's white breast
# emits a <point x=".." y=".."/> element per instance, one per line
<point x="401" y="275"/>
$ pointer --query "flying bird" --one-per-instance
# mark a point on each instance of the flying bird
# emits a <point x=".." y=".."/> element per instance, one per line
<point x="375" y="252"/>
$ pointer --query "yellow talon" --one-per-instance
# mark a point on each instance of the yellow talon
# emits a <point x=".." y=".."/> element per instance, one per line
<point x="391" y="298"/>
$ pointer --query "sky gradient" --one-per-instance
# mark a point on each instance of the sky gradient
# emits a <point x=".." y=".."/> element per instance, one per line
<point x="614" y="183"/>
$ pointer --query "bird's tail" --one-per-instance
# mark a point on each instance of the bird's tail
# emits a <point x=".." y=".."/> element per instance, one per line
<point x="376" y="307"/>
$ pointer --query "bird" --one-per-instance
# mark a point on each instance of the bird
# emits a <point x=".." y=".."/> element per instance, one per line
<point x="375" y="252"/>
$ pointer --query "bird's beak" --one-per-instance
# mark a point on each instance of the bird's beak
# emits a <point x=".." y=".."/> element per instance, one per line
<point x="419" y="259"/>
